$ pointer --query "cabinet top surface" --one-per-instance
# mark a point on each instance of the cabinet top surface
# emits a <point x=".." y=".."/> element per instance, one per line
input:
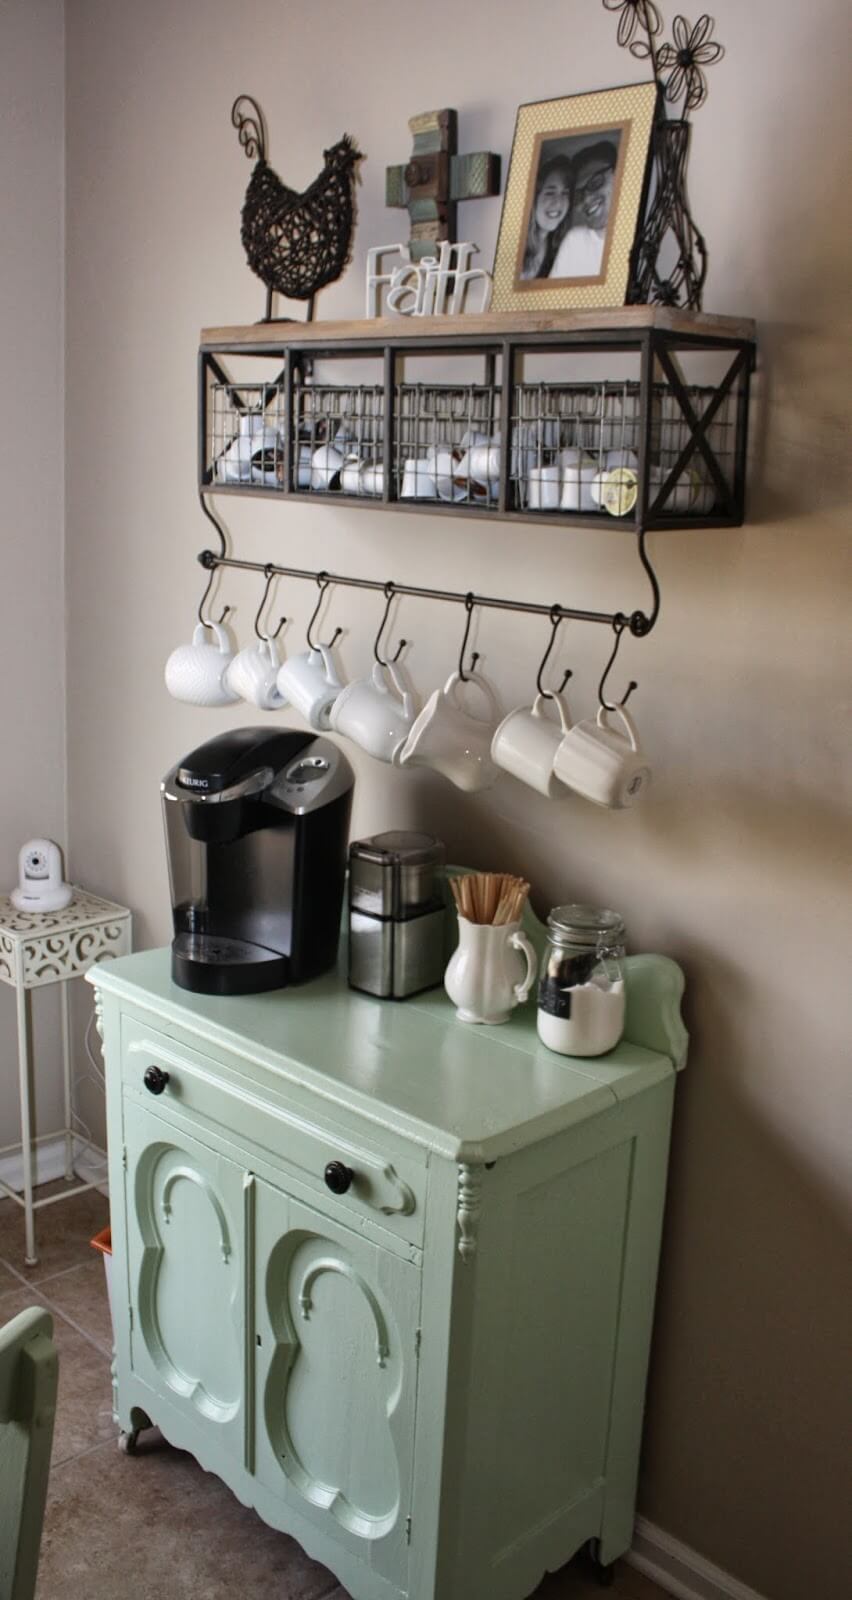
<point x="470" y="1092"/>
<point x="628" y="320"/>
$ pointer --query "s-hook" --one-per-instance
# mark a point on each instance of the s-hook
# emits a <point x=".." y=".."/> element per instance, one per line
<point x="556" y="619"/>
<point x="323" y="582"/>
<point x="620" y="622"/>
<point x="206" y="621"/>
<point x="390" y="591"/>
<point x="270" y="575"/>
<point x="469" y="603"/>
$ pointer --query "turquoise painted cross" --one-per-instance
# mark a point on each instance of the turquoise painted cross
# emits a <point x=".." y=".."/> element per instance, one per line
<point x="430" y="186"/>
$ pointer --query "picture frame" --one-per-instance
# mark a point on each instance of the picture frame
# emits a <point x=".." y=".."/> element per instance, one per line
<point x="574" y="199"/>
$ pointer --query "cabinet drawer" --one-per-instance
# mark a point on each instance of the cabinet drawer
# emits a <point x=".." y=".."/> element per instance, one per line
<point x="214" y="1096"/>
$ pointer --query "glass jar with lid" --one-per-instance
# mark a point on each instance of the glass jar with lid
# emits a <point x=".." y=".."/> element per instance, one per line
<point x="581" y="982"/>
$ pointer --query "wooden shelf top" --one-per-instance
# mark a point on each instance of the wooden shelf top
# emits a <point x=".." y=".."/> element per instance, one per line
<point x="622" y="319"/>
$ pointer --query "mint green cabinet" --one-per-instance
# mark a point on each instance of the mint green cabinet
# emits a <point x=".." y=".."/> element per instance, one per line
<point x="433" y="1380"/>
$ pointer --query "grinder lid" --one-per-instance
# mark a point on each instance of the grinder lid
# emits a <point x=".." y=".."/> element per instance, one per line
<point x="398" y="848"/>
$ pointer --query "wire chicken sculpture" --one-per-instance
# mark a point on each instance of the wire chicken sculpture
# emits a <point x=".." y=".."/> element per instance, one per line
<point x="296" y="243"/>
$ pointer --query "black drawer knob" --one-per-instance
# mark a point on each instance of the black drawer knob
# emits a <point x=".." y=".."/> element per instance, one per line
<point x="155" y="1080"/>
<point x="337" y="1177"/>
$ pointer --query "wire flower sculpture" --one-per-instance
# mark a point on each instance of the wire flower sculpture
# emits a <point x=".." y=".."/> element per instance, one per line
<point x="635" y="14"/>
<point x="692" y="50"/>
<point x="669" y="229"/>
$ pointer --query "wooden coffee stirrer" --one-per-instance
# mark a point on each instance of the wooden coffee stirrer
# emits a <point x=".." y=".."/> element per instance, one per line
<point x="495" y="898"/>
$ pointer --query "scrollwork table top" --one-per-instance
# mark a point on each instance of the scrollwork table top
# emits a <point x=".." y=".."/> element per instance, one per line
<point x="47" y="947"/>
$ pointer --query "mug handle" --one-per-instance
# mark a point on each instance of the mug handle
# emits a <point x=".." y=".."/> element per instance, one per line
<point x="519" y="941"/>
<point x="451" y="691"/>
<point x="222" y="643"/>
<point x="603" y="722"/>
<point x="537" y="710"/>
<point x="328" y="666"/>
<point x="404" y="694"/>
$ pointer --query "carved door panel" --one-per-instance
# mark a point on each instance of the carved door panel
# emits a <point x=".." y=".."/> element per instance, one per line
<point x="185" y="1264"/>
<point x="336" y="1342"/>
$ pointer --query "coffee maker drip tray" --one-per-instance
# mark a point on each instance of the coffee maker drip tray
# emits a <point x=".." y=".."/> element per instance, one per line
<point x="210" y="963"/>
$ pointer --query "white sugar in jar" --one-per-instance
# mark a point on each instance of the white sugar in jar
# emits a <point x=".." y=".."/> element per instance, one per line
<point x="581" y="982"/>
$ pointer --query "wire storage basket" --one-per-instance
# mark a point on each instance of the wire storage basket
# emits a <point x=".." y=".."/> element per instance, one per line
<point x="447" y="443"/>
<point x="246" y="430"/>
<point x="575" y="449"/>
<point x="339" y="430"/>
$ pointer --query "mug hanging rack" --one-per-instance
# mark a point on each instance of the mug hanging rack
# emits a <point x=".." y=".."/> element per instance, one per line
<point x="638" y="622"/>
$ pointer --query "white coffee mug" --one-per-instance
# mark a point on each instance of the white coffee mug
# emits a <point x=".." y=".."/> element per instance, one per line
<point x="375" y="713"/>
<point x="684" y="493"/>
<point x="252" y="676"/>
<point x="543" y="484"/>
<point x="310" y="682"/>
<point x="577" y="480"/>
<point x="621" y="458"/>
<point x="526" y="743"/>
<point x="573" y="457"/>
<point x="372" y="477"/>
<point x="446" y="737"/>
<point x="350" y="475"/>
<point x="326" y="463"/>
<point x="195" y="672"/>
<point x="603" y="763"/>
<point x="443" y="467"/>
<point x="484" y="462"/>
<point x="418" y="482"/>
<point x="255" y="456"/>
<point x="472" y="437"/>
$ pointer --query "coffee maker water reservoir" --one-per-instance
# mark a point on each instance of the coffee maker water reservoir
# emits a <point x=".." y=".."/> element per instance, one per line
<point x="257" y="823"/>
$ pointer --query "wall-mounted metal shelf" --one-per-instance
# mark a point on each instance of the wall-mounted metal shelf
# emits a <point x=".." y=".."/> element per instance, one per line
<point x="637" y="416"/>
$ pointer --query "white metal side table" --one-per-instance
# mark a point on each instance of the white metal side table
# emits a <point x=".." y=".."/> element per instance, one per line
<point x="37" y="949"/>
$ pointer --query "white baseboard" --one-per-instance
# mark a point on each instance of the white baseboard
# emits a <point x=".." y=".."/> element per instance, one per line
<point x="680" y="1570"/>
<point x="49" y="1163"/>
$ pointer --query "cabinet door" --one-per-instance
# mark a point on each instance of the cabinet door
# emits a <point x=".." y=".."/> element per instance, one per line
<point x="185" y="1267"/>
<point x="336" y="1342"/>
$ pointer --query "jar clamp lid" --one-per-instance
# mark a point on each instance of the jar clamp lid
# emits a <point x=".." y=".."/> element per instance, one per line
<point x="585" y="927"/>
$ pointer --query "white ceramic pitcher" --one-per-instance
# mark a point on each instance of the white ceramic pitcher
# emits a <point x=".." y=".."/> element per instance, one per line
<point x="485" y="978"/>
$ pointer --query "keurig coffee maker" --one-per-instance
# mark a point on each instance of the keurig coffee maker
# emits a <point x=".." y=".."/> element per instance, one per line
<point x="257" y="823"/>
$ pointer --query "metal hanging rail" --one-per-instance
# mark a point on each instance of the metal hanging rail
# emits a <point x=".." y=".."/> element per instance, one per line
<point x="638" y="622"/>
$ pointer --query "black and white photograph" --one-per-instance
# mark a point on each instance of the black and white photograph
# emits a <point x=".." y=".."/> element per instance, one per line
<point x="571" y="206"/>
<point x="576" y="191"/>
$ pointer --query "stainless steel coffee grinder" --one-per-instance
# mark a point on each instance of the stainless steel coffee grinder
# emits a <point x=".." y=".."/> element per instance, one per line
<point x="397" y="914"/>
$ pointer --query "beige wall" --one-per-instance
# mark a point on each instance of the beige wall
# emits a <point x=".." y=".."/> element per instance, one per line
<point x="32" y="644"/>
<point x="735" y="863"/>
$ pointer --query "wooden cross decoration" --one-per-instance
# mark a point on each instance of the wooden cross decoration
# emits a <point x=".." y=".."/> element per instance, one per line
<point x="436" y="178"/>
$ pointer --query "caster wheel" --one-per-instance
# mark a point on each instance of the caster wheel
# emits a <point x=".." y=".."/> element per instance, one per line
<point x="127" y="1442"/>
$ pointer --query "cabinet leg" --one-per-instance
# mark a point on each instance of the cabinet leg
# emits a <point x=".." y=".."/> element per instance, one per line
<point x="605" y="1575"/>
<point x="128" y="1439"/>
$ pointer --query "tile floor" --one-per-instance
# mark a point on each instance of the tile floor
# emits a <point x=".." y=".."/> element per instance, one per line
<point x="155" y="1525"/>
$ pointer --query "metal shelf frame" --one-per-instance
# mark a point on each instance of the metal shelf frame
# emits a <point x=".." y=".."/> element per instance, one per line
<point x="657" y="347"/>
